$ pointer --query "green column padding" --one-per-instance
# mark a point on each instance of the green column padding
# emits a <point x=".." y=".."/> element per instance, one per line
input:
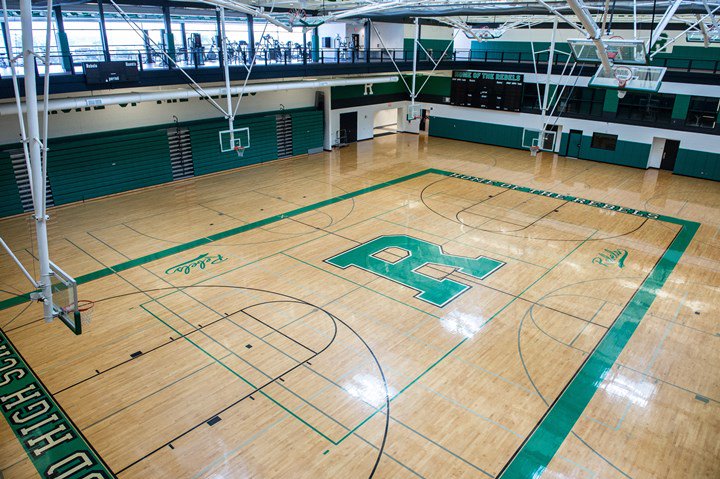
<point x="170" y="42"/>
<point x="610" y="104"/>
<point x="315" y="46"/>
<point x="65" y="51"/>
<point x="680" y="108"/>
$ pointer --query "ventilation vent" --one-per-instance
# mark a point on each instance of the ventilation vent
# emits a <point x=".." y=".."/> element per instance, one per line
<point x="180" y="153"/>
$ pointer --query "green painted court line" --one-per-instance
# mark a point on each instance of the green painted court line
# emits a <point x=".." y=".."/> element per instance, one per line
<point x="104" y="272"/>
<point x="243" y="379"/>
<point x="534" y="456"/>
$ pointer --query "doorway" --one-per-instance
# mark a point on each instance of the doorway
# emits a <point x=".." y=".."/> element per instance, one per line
<point x="349" y="126"/>
<point x="669" y="155"/>
<point x="385" y="122"/>
<point x="425" y="121"/>
<point x="573" y="144"/>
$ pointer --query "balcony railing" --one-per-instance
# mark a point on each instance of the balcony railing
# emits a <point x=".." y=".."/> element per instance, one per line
<point x="149" y="58"/>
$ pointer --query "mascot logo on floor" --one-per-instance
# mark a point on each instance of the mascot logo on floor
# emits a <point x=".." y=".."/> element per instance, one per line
<point x="408" y="261"/>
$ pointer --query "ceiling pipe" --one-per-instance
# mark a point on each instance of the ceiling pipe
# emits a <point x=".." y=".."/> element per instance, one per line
<point x="105" y="100"/>
<point x="593" y="32"/>
<point x="243" y="8"/>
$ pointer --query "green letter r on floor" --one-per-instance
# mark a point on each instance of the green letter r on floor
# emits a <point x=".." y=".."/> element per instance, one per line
<point x="399" y="257"/>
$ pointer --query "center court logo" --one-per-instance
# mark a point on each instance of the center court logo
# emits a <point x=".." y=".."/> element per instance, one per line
<point x="399" y="258"/>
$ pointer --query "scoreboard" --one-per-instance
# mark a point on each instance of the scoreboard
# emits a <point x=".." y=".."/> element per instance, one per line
<point x="490" y="90"/>
<point x="101" y="73"/>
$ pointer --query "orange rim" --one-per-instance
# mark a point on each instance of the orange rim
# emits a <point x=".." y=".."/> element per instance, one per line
<point x="85" y="305"/>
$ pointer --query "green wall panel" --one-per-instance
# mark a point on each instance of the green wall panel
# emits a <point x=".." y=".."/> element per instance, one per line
<point x="679" y="57"/>
<point x="89" y="166"/>
<point x="626" y="153"/>
<point x="434" y="47"/>
<point x="205" y="141"/>
<point x="699" y="164"/>
<point x="436" y="85"/>
<point x="9" y="195"/>
<point x="488" y="133"/>
<point x="512" y="51"/>
<point x="307" y="131"/>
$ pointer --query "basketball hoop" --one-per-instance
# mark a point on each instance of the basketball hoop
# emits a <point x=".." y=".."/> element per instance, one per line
<point x="485" y="33"/>
<point x="85" y="309"/>
<point x="623" y="75"/>
<point x="240" y="150"/>
<point x="534" y="150"/>
<point x="296" y="14"/>
<point x="613" y="53"/>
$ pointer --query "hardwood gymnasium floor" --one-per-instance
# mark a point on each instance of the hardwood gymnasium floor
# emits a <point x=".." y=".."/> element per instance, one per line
<point x="402" y="307"/>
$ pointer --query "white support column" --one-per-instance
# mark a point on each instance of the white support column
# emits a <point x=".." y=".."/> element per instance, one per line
<point x="226" y="74"/>
<point x="36" y="169"/>
<point x="551" y="56"/>
<point x="415" y="47"/>
<point x="329" y="136"/>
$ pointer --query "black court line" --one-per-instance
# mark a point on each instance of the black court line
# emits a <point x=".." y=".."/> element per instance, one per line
<point x="579" y="368"/>
<point x="325" y="231"/>
<point x="466" y="278"/>
<point x="422" y="199"/>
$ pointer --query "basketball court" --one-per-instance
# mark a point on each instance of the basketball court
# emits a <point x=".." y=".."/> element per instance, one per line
<point x="406" y="306"/>
<point x="263" y="322"/>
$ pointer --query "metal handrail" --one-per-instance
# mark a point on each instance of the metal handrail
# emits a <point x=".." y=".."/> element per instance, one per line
<point x="150" y="57"/>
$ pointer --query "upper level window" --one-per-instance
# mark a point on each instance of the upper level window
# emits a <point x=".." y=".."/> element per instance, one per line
<point x="703" y="112"/>
<point x="646" y="107"/>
